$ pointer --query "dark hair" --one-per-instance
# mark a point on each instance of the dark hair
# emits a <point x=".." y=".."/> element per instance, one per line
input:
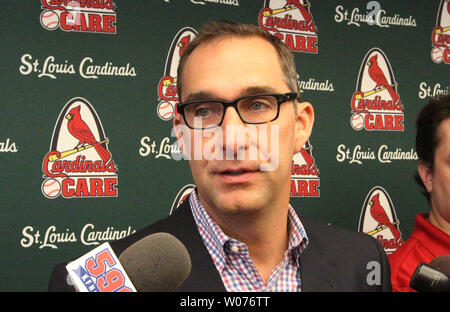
<point x="222" y="29"/>
<point x="427" y="137"/>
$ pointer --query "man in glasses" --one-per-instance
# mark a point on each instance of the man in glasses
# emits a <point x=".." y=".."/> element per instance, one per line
<point x="237" y="80"/>
<point x="235" y="76"/>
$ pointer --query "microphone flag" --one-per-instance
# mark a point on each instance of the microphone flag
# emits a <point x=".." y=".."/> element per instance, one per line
<point x="99" y="271"/>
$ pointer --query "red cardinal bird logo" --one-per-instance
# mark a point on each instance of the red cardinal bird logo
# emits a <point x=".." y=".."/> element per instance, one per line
<point x="379" y="214"/>
<point x="184" y="42"/>
<point x="378" y="76"/>
<point x="80" y="130"/>
<point x="307" y="155"/>
<point x="305" y="13"/>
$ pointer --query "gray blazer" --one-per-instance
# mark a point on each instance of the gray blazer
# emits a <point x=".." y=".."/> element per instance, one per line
<point x="335" y="259"/>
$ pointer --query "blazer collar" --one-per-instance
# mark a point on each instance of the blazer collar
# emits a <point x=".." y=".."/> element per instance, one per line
<point x="315" y="273"/>
<point x="204" y="276"/>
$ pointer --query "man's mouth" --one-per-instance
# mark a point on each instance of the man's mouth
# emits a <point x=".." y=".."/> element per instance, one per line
<point x="236" y="175"/>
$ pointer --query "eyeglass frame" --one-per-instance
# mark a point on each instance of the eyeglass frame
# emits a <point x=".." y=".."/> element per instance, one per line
<point x="280" y="98"/>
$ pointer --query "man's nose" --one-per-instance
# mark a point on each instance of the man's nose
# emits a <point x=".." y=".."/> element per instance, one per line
<point x="235" y="141"/>
<point x="231" y="118"/>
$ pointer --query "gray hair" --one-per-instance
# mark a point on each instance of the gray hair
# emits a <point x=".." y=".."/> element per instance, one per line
<point x="220" y="29"/>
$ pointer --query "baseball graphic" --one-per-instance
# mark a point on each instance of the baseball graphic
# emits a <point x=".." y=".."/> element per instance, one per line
<point x="51" y="188"/>
<point x="437" y="55"/>
<point x="49" y="19"/>
<point x="357" y="121"/>
<point x="165" y="110"/>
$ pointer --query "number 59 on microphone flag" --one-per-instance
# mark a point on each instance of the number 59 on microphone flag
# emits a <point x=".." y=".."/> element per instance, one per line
<point x="99" y="271"/>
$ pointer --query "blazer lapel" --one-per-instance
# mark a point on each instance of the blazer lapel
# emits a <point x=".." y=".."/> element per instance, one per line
<point x="315" y="274"/>
<point x="204" y="276"/>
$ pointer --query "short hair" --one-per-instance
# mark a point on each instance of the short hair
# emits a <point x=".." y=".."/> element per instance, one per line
<point x="222" y="29"/>
<point x="427" y="136"/>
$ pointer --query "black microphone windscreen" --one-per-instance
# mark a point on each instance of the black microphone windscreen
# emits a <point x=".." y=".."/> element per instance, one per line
<point x="430" y="277"/>
<point x="158" y="262"/>
<point x="442" y="263"/>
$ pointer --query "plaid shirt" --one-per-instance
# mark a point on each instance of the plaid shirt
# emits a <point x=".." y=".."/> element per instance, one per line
<point x="232" y="258"/>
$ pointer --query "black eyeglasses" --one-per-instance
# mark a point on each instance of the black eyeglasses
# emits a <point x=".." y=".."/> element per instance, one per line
<point x="252" y="109"/>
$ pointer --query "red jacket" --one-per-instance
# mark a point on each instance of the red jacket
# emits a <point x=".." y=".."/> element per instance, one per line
<point x="425" y="243"/>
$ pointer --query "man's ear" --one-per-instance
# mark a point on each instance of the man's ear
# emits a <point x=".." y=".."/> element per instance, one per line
<point x="304" y="122"/>
<point x="181" y="132"/>
<point x="426" y="175"/>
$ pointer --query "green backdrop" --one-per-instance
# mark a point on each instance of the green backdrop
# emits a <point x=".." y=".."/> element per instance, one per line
<point x="111" y="57"/>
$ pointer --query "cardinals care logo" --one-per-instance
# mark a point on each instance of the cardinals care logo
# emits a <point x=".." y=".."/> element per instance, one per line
<point x="79" y="164"/>
<point x="292" y="22"/>
<point x="92" y="16"/>
<point x="182" y="195"/>
<point x="305" y="180"/>
<point x="167" y="87"/>
<point x="440" y="37"/>
<point x="379" y="220"/>
<point x="376" y="105"/>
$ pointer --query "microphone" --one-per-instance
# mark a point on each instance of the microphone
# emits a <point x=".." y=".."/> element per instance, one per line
<point x="157" y="262"/>
<point x="432" y="277"/>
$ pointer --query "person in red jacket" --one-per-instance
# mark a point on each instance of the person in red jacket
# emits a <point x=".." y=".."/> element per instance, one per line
<point x="431" y="234"/>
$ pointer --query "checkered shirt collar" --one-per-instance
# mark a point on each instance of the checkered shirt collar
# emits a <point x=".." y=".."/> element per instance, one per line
<point x="217" y="242"/>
